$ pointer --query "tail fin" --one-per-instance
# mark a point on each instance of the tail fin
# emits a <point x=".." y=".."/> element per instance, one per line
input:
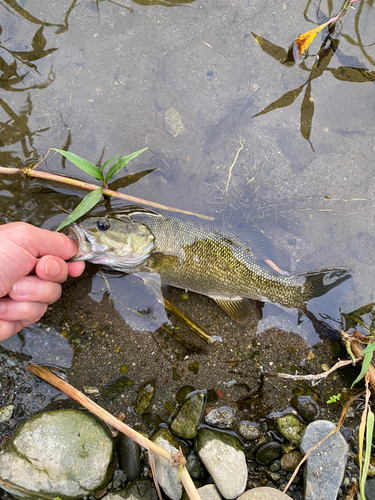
<point x="327" y="290"/>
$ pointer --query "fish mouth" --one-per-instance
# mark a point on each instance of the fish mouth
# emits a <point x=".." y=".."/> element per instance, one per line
<point x="77" y="234"/>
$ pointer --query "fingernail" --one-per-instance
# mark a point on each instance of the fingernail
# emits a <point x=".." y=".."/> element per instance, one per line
<point x="23" y="287"/>
<point x="52" y="268"/>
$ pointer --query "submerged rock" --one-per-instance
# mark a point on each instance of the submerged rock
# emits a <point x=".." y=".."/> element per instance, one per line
<point x="248" y="430"/>
<point x="222" y="455"/>
<point x="185" y="424"/>
<point x="325" y="466"/>
<point x="173" y="122"/>
<point x="291" y="428"/>
<point x="306" y="407"/>
<point x="64" y="453"/>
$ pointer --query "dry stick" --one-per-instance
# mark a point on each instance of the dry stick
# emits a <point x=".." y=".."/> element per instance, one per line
<point x="45" y="374"/>
<point x="341" y="420"/>
<point x="91" y="187"/>
<point x="315" y="379"/>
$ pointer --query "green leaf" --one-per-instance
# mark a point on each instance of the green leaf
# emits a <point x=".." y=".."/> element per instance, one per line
<point x="369" y="348"/>
<point x="83" y="164"/>
<point x="109" y="161"/>
<point x="365" y="365"/>
<point x="85" y="206"/>
<point x="116" y="167"/>
<point x="369" y="433"/>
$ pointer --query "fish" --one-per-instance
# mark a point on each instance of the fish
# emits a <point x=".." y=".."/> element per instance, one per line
<point x="197" y="258"/>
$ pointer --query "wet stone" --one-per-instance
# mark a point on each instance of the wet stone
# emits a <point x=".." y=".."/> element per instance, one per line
<point x="325" y="466"/>
<point x="264" y="493"/>
<point x="143" y="489"/>
<point x="65" y="453"/>
<point x="144" y="397"/>
<point x="115" y="388"/>
<point x="248" y="430"/>
<point x="291" y="428"/>
<point x="306" y="407"/>
<point x="166" y="475"/>
<point x="222" y="455"/>
<point x="6" y="413"/>
<point x="222" y="418"/>
<point x="195" y="467"/>
<point x="185" y="424"/>
<point x="129" y="456"/>
<point x="290" y="460"/>
<point x="267" y="453"/>
<point x="183" y="393"/>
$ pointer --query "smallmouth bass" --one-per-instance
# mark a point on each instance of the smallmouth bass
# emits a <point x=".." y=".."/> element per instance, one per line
<point x="197" y="258"/>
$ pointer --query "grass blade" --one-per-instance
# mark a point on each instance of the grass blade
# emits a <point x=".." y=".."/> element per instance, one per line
<point x="83" y="164"/>
<point x="86" y="204"/>
<point x="369" y="433"/>
<point x="369" y="348"/>
<point x="116" y="167"/>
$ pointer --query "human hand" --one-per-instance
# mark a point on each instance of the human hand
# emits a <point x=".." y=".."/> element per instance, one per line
<point x="32" y="266"/>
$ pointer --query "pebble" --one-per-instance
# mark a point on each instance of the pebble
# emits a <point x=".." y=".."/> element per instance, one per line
<point x="144" y="397"/>
<point x="129" y="456"/>
<point x="166" y="475"/>
<point x="142" y="489"/>
<point x="185" y="424"/>
<point x="325" y="466"/>
<point x="64" y="453"/>
<point x="291" y="428"/>
<point x="209" y="492"/>
<point x="173" y="122"/>
<point x="222" y="455"/>
<point x="290" y="460"/>
<point x="6" y="413"/>
<point x="306" y="407"/>
<point x="267" y="453"/>
<point x="264" y="493"/>
<point x="248" y="430"/>
<point x="222" y="418"/>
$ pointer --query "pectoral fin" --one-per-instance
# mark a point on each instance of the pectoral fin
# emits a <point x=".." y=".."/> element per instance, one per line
<point x="238" y="310"/>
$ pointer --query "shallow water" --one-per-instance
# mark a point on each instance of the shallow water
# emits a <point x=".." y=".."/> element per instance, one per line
<point x="98" y="79"/>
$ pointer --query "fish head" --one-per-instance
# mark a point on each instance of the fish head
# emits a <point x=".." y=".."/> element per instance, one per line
<point x="119" y="243"/>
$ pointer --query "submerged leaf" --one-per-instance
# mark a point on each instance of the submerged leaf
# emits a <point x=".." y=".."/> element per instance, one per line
<point x="116" y="167"/>
<point x="307" y="113"/>
<point x="85" y="206"/>
<point x="278" y="53"/>
<point x="81" y="163"/>
<point x="285" y="100"/>
<point x="350" y="74"/>
<point x="301" y="43"/>
<point x="123" y="182"/>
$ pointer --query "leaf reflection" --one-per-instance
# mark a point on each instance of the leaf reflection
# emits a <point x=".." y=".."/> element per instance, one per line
<point x="353" y="71"/>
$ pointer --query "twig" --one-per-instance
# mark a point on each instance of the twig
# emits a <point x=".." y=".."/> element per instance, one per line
<point x="315" y="379"/>
<point x="45" y="374"/>
<point x="233" y="164"/>
<point x="91" y="187"/>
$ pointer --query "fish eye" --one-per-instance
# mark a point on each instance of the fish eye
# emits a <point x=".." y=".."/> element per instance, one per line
<point x="102" y="225"/>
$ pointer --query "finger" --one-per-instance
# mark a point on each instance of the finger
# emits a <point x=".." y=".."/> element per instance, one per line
<point x="76" y="268"/>
<point x="52" y="268"/>
<point x="34" y="289"/>
<point x="21" y="311"/>
<point x="9" y="328"/>
<point x="41" y="242"/>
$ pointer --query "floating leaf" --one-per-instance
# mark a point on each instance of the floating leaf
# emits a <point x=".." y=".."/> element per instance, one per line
<point x="278" y="53"/>
<point x="301" y="43"/>
<point x="83" y="164"/>
<point x="85" y="206"/>
<point x="350" y="74"/>
<point x="116" y="167"/>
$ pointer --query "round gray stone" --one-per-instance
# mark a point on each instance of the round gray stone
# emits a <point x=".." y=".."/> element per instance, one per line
<point x="64" y="453"/>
